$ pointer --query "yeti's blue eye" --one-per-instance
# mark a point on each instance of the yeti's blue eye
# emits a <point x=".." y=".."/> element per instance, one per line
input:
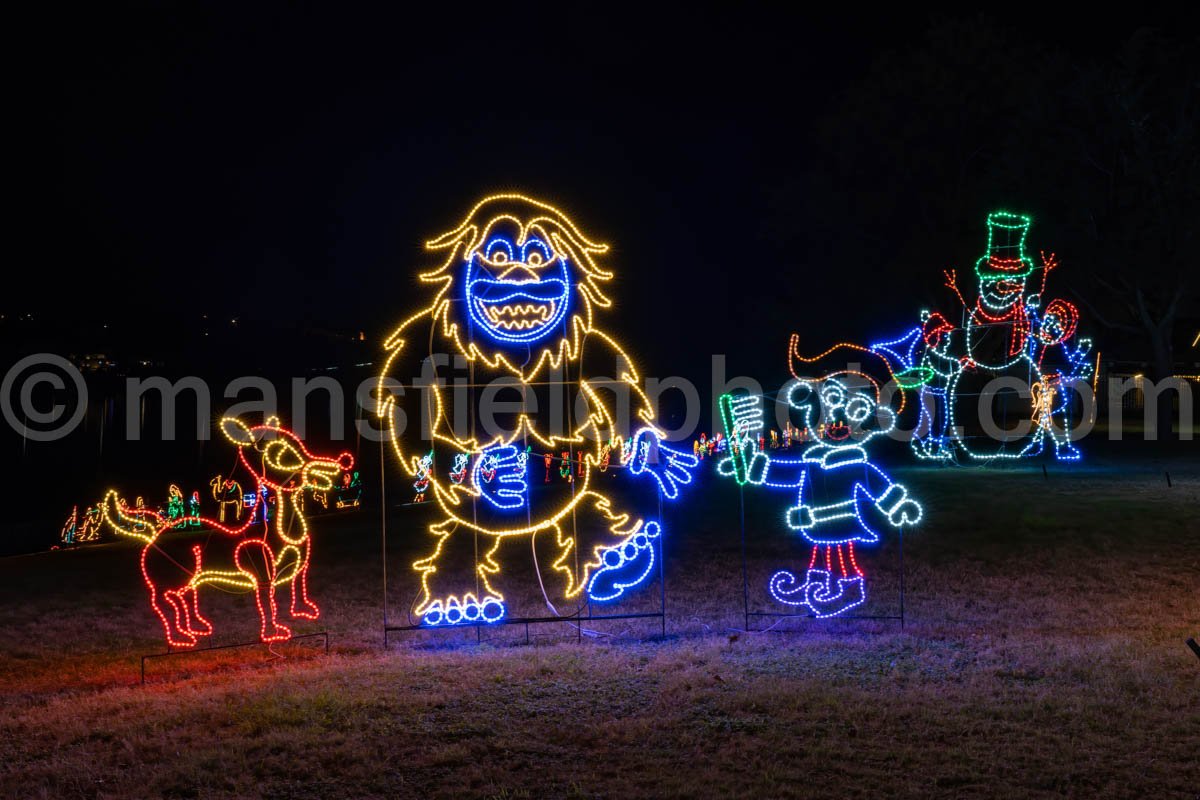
<point x="535" y="252"/>
<point x="498" y="251"/>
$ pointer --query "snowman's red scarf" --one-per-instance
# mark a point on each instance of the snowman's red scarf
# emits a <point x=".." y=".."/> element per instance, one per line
<point x="1015" y="317"/>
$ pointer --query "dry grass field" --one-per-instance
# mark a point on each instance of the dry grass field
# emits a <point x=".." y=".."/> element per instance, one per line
<point x="1042" y="656"/>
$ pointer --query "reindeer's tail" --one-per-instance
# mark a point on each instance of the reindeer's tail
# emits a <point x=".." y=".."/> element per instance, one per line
<point x="136" y="524"/>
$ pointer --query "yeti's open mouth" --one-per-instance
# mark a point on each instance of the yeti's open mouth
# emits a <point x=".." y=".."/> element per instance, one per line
<point x="517" y="315"/>
<point x="518" y="311"/>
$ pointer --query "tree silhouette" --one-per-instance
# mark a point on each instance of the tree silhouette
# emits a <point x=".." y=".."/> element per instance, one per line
<point x="1101" y="150"/>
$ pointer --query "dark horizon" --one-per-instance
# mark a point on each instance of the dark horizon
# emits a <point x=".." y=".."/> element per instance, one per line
<point x="285" y="173"/>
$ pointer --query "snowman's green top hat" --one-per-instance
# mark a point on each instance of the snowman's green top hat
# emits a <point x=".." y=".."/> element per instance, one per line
<point x="1005" y="257"/>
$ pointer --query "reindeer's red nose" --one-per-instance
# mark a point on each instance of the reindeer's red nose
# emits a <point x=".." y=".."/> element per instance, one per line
<point x="345" y="461"/>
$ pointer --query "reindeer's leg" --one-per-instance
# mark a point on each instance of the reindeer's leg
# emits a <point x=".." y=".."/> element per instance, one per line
<point x="301" y="605"/>
<point x="190" y="598"/>
<point x="200" y="624"/>
<point x="254" y="560"/>
<point x="162" y="605"/>
<point x="170" y="617"/>
<point x="179" y="609"/>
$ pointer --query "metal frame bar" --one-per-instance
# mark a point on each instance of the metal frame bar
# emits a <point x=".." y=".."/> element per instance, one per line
<point x="747" y="613"/>
<point x="577" y="617"/>
<point x="172" y="653"/>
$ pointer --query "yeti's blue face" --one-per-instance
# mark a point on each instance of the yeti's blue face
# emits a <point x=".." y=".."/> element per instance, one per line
<point x="517" y="294"/>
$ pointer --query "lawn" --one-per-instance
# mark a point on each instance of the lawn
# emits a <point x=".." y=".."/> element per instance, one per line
<point x="1042" y="656"/>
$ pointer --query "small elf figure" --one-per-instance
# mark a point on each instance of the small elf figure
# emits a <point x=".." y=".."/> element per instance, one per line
<point x="67" y="535"/>
<point x="175" y="505"/>
<point x="564" y="471"/>
<point x="194" y="510"/>
<point x="605" y="457"/>
<point x="139" y="505"/>
<point x="89" y="526"/>
<point x="842" y="498"/>
<point x="458" y="472"/>
<point x="351" y="494"/>
<point x="703" y="444"/>
<point x="774" y="439"/>
<point x="696" y="448"/>
<point x="549" y="461"/>
<point x="265" y="499"/>
<point x="424" y="470"/>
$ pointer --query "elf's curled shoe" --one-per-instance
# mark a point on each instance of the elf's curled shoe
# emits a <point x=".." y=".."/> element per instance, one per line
<point x="827" y="600"/>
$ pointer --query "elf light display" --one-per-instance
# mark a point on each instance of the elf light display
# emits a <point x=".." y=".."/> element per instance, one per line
<point x="842" y="498"/>
<point x="253" y="557"/>
<point x="175" y="509"/>
<point x="424" y="472"/>
<point x="518" y="294"/>
<point x="81" y="529"/>
<point x="1007" y="331"/>
<point x="349" y="493"/>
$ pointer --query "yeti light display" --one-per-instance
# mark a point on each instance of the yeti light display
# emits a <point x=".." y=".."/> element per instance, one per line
<point x="517" y="294"/>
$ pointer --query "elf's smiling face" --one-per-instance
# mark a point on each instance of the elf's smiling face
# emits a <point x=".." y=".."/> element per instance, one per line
<point x="851" y="415"/>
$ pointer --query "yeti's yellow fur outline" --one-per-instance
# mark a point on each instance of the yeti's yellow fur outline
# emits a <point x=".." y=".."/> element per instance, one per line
<point x="553" y="226"/>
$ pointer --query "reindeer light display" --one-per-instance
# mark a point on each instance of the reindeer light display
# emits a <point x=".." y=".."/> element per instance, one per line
<point x="253" y="557"/>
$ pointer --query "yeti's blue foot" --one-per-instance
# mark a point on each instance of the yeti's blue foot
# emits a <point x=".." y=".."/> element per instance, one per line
<point x="624" y="566"/>
<point x="467" y="611"/>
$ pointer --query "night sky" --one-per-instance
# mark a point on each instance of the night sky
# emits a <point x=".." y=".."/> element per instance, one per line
<point x="284" y="169"/>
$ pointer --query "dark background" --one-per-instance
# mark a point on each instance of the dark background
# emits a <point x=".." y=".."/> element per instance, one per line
<point x="751" y="169"/>
<point x="248" y="190"/>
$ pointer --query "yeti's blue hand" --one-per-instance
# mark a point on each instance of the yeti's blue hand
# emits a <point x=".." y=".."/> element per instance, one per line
<point x="670" y="467"/>
<point x="508" y="488"/>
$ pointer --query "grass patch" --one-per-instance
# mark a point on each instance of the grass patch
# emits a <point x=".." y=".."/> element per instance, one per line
<point x="1043" y="656"/>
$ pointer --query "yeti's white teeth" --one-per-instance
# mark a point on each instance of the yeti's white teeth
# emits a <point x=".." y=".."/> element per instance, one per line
<point x="519" y="316"/>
